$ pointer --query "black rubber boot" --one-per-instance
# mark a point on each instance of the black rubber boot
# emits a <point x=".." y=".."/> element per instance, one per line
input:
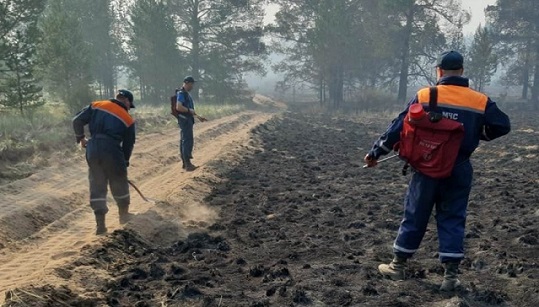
<point x="189" y="166"/>
<point x="123" y="212"/>
<point x="100" y="221"/>
<point x="451" y="281"/>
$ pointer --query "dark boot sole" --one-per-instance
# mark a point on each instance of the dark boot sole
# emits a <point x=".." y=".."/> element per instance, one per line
<point x="126" y="218"/>
<point x="190" y="168"/>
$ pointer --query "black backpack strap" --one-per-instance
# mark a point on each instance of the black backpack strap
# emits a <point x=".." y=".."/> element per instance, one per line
<point x="434" y="115"/>
<point x="405" y="169"/>
<point x="185" y="95"/>
<point x="433" y="100"/>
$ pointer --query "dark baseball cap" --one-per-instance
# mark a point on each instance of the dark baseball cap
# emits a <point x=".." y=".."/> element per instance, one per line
<point x="450" y="60"/>
<point x="127" y="94"/>
<point x="189" y="79"/>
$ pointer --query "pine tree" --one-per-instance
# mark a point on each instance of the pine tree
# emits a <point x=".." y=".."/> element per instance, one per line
<point x="19" y="87"/>
<point x="64" y="56"/>
<point x="18" y="39"/>
<point x="97" y="18"/>
<point x="332" y="44"/>
<point x="421" y="35"/>
<point x="483" y="61"/>
<point x="221" y="40"/>
<point x="516" y="25"/>
<point x="153" y="56"/>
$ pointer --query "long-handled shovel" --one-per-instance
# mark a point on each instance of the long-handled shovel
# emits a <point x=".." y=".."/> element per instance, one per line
<point x="149" y="200"/>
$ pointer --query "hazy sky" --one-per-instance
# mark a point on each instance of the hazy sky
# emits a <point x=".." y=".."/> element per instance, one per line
<point x="477" y="8"/>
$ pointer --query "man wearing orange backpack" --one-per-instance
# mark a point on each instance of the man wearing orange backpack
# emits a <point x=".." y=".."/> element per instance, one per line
<point x="482" y="120"/>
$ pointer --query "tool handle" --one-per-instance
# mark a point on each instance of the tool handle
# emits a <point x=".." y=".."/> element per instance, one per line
<point x="138" y="191"/>
<point x="384" y="159"/>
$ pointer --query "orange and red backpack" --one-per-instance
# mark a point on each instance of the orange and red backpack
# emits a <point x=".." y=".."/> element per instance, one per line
<point x="429" y="142"/>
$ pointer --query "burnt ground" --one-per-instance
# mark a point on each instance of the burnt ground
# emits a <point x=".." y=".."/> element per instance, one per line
<point x="303" y="224"/>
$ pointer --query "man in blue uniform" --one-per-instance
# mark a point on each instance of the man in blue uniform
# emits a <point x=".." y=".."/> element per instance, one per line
<point x="482" y="120"/>
<point x="186" y="119"/>
<point x="112" y="131"/>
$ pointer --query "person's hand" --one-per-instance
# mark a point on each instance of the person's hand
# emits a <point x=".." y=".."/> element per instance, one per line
<point x="83" y="143"/>
<point x="370" y="161"/>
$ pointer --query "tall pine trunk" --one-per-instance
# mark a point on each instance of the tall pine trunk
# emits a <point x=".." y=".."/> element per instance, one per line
<point x="195" y="51"/>
<point x="535" y="87"/>
<point x="336" y="85"/>
<point x="526" y="71"/>
<point x="405" y="56"/>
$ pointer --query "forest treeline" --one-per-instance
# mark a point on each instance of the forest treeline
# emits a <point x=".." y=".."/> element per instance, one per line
<point x="77" y="50"/>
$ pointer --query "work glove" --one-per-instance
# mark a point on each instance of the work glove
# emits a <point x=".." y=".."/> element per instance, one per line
<point x="83" y="143"/>
<point x="370" y="160"/>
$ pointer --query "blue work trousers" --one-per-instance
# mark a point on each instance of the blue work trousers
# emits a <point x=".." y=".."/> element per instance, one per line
<point x="186" y="137"/>
<point x="107" y="166"/>
<point x="450" y="196"/>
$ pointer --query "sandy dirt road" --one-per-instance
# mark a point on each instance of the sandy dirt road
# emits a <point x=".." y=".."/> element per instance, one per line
<point x="45" y="218"/>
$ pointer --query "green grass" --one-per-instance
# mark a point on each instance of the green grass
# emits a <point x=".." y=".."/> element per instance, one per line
<point x="26" y="141"/>
<point x="49" y="131"/>
<point x="206" y="110"/>
<point x="13" y="125"/>
<point x="51" y="124"/>
<point x="46" y="126"/>
<point x="155" y="119"/>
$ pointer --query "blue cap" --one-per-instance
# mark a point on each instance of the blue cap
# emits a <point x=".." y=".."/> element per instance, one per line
<point x="127" y="94"/>
<point x="189" y="79"/>
<point x="450" y="60"/>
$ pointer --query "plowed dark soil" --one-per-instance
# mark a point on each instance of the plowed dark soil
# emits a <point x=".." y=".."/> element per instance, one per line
<point x="303" y="224"/>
